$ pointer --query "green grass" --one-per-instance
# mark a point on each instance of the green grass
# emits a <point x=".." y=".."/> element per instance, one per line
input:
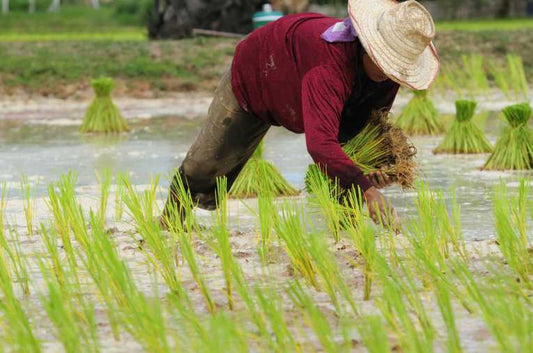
<point x="486" y="25"/>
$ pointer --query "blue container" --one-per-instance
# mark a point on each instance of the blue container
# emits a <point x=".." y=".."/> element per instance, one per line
<point x="261" y="18"/>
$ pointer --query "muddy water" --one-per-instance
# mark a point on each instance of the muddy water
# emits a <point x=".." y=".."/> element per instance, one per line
<point x="45" y="151"/>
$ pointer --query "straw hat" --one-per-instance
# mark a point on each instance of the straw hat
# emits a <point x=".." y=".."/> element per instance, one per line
<point x="397" y="37"/>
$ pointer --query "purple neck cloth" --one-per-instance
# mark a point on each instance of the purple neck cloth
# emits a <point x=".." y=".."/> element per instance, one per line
<point x="340" y="32"/>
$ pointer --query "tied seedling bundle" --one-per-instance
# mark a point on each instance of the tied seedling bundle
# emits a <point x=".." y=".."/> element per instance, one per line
<point x="102" y="114"/>
<point x="464" y="136"/>
<point x="380" y="146"/>
<point x="259" y="175"/>
<point x="420" y="117"/>
<point x="514" y="149"/>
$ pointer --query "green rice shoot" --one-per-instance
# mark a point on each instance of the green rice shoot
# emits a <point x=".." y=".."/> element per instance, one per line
<point x="103" y="116"/>
<point x="464" y="136"/>
<point x="514" y="148"/>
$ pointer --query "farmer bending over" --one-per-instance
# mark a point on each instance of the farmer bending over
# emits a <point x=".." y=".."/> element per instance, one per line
<point x="314" y="75"/>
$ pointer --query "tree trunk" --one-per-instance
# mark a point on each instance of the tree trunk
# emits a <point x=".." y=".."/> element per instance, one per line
<point x="95" y="4"/>
<point x="54" y="6"/>
<point x="177" y="18"/>
<point x="31" y="6"/>
<point x="5" y="6"/>
<point x="504" y="10"/>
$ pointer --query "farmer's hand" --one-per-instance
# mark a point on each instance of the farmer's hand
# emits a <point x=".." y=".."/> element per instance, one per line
<point x="380" y="210"/>
<point x="380" y="179"/>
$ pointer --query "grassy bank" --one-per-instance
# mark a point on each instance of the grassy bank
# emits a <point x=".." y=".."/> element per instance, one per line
<point x="56" y="54"/>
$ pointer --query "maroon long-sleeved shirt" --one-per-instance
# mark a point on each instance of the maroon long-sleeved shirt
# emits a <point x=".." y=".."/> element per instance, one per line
<point x="287" y="75"/>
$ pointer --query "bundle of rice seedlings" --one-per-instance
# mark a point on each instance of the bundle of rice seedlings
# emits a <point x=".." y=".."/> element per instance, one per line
<point x="102" y="114"/>
<point x="420" y="117"/>
<point x="514" y="149"/>
<point x="464" y="135"/>
<point x="474" y="73"/>
<point x="380" y="146"/>
<point x="517" y="76"/>
<point x="260" y="175"/>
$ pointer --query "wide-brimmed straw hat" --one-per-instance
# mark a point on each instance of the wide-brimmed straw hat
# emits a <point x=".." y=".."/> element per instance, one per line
<point x="397" y="37"/>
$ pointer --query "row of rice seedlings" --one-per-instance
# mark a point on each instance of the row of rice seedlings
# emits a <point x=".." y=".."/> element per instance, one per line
<point x="510" y="214"/>
<point x="402" y="307"/>
<point x="472" y="77"/>
<point x="141" y="317"/>
<point x="248" y="185"/>
<point x="464" y="136"/>
<point x="28" y="203"/>
<point x="102" y="115"/>
<point x="314" y="317"/>
<point x="73" y="319"/>
<point x="514" y="148"/>
<point x="159" y="250"/>
<point x="420" y="117"/>
<point x="18" y="332"/>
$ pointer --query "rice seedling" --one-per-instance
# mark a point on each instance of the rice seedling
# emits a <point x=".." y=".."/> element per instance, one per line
<point x="49" y="238"/>
<point x="267" y="217"/>
<point x="67" y="315"/>
<point x="501" y="76"/>
<point x="19" y="261"/>
<point x="464" y="135"/>
<point x="326" y="193"/>
<point x="291" y="229"/>
<point x="420" y="117"/>
<point x="400" y="300"/>
<point x="476" y="76"/>
<point x="514" y="149"/>
<point x="187" y="251"/>
<point x="160" y="251"/>
<point x="517" y="76"/>
<point x="103" y="115"/>
<point x="28" y="203"/>
<point x="315" y="318"/>
<point x="510" y="214"/>
<point x="221" y="235"/>
<point x="258" y="171"/>
<point x="363" y="237"/>
<point x="184" y="204"/>
<point x="18" y="331"/>
<point x="104" y="180"/>
<point x="119" y="192"/>
<point x="373" y="334"/>
<point x="224" y="331"/>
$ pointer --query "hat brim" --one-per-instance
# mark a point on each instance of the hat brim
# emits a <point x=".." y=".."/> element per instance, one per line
<point x="417" y="75"/>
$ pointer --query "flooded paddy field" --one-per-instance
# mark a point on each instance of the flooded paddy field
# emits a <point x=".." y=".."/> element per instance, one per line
<point x="276" y="305"/>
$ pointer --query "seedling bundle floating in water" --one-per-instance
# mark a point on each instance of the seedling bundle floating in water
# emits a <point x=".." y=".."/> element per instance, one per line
<point x="380" y="146"/>
<point x="102" y="114"/>
<point x="464" y="136"/>
<point x="420" y="117"/>
<point x="260" y="175"/>
<point x="514" y="149"/>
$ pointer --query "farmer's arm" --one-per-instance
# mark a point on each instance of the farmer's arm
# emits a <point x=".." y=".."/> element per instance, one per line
<point x="323" y="96"/>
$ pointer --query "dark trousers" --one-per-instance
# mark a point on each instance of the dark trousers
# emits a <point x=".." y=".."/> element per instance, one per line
<point x="225" y="143"/>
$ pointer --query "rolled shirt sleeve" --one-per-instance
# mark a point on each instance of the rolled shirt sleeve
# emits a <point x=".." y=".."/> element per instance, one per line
<point x="324" y="92"/>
